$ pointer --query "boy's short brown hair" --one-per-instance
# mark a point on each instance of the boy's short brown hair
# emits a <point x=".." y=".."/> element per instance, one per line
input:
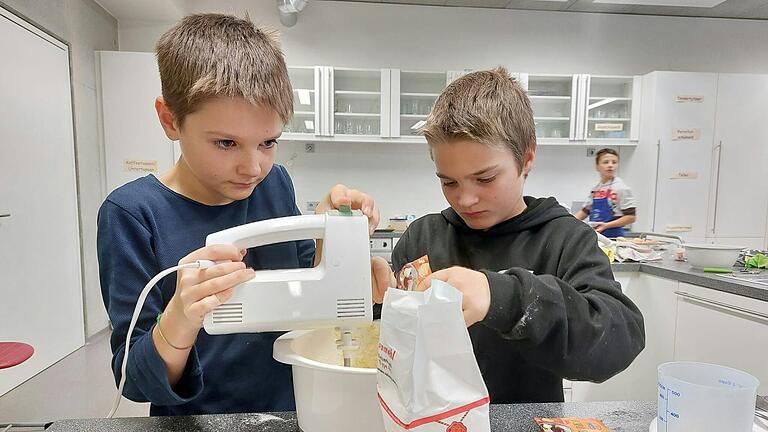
<point x="489" y="107"/>
<point x="604" y="151"/>
<point x="206" y="56"/>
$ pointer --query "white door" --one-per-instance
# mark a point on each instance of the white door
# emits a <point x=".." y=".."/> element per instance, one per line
<point x="740" y="200"/>
<point x="683" y="110"/>
<point x="130" y="83"/>
<point x="40" y="281"/>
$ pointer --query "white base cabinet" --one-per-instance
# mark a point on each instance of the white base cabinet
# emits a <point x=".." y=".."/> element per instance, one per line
<point x="655" y="297"/>
<point x="722" y="328"/>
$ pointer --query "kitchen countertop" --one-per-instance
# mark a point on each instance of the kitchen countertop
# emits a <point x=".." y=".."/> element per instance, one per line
<point x="683" y="272"/>
<point x="618" y="416"/>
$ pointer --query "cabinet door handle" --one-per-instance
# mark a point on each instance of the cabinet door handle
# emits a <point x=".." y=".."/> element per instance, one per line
<point x="5" y="215"/>
<point x="722" y="305"/>
<point x="719" y="149"/>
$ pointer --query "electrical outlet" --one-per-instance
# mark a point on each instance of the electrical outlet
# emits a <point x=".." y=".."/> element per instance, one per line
<point x="312" y="205"/>
<point x="591" y="152"/>
<point x="309" y="147"/>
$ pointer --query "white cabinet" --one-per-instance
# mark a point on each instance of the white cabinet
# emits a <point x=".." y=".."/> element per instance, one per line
<point x="306" y="119"/>
<point x="377" y="105"/>
<point x="40" y="281"/>
<point x="708" y="136"/>
<point x="553" y="100"/>
<point x="739" y="199"/>
<point x="677" y="133"/>
<point x="722" y="328"/>
<point x="610" y="108"/>
<point x="413" y="95"/>
<point x="655" y="297"/>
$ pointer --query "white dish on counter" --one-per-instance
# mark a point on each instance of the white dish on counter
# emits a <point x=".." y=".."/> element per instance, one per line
<point x="760" y="425"/>
<point x="712" y="255"/>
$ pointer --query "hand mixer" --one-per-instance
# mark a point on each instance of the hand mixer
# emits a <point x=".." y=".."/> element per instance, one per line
<point x="336" y="293"/>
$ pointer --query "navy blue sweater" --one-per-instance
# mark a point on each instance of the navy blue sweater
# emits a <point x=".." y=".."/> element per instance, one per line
<point x="145" y="227"/>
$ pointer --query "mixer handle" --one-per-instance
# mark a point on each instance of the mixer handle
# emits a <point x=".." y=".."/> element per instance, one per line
<point x="271" y="231"/>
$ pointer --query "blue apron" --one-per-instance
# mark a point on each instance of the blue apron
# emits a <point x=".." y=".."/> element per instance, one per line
<point x="602" y="212"/>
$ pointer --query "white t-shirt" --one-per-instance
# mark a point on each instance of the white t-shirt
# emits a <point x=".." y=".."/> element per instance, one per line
<point x="618" y="193"/>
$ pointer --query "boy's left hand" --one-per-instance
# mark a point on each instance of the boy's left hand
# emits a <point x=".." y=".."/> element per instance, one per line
<point x="472" y="284"/>
<point x="341" y="195"/>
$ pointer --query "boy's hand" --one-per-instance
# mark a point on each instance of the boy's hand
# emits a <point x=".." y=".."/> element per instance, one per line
<point x="472" y="284"/>
<point x="600" y="226"/>
<point x="342" y="195"/>
<point x="382" y="278"/>
<point x="199" y="291"/>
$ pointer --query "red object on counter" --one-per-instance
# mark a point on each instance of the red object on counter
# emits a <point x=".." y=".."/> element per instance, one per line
<point x="14" y="353"/>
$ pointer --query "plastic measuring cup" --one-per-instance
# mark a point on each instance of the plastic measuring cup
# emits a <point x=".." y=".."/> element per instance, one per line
<point x="705" y="397"/>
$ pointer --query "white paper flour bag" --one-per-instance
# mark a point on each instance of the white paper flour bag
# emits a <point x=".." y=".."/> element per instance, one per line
<point x="428" y="379"/>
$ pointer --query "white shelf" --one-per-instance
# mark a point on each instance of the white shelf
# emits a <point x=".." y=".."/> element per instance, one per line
<point x="421" y="95"/>
<point x="357" y="93"/>
<point x="551" y="118"/>
<point x="413" y="116"/>
<point x="622" y="119"/>
<point x="550" y="98"/>
<point x="296" y="90"/>
<point x="419" y="139"/>
<point x="610" y="97"/>
<point x="304" y="113"/>
<point x="364" y="115"/>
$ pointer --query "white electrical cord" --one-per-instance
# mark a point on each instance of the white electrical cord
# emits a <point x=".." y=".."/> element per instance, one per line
<point x="137" y="310"/>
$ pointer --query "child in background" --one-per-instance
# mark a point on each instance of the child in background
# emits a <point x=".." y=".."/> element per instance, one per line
<point x="611" y="205"/>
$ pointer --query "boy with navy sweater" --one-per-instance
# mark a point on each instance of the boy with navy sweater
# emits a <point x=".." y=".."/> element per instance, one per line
<point x="225" y="97"/>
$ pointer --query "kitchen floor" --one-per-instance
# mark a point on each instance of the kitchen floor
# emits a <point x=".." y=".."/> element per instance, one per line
<point x="79" y="386"/>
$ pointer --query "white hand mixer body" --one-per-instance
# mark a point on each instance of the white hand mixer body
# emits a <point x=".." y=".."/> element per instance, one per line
<point x="335" y="293"/>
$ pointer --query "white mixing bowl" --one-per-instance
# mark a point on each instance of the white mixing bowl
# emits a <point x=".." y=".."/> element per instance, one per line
<point x="712" y="255"/>
<point x="329" y="398"/>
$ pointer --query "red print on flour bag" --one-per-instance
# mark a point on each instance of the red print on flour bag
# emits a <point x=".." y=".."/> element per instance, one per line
<point x="428" y="378"/>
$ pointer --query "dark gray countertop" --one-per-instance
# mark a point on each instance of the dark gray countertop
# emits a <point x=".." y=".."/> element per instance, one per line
<point x="683" y="272"/>
<point x="618" y="416"/>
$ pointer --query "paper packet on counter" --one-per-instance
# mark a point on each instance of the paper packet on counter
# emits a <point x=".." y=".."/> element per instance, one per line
<point x="428" y="379"/>
<point x="570" y="425"/>
<point x="413" y="273"/>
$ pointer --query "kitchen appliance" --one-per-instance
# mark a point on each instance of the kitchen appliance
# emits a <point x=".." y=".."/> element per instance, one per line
<point x="335" y="293"/>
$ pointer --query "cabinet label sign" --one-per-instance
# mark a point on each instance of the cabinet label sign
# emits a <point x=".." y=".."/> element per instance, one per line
<point x="609" y="127"/>
<point x="679" y="228"/>
<point x="145" y="166"/>
<point x="689" y="99"/>
<point x="685" y="175"/>
<point x="686" y="134"/>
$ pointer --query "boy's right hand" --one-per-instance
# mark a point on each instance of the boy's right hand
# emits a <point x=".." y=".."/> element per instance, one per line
<point x="199" y="291"/>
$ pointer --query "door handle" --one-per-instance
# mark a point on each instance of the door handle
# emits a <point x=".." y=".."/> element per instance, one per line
<point x="722" y="305"/>
<point x="5" y="215"/>
<point x="719" y="149"/>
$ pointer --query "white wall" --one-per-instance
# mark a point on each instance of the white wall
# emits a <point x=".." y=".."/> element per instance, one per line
<point x="86" y="27"/>
<point x="401" y="177"/>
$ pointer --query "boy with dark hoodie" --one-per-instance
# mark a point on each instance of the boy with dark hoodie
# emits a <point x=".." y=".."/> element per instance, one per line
<point x="540" y="300"/>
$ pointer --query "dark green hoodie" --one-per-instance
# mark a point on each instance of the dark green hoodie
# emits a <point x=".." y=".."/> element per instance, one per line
<point x="556" y="311"/>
